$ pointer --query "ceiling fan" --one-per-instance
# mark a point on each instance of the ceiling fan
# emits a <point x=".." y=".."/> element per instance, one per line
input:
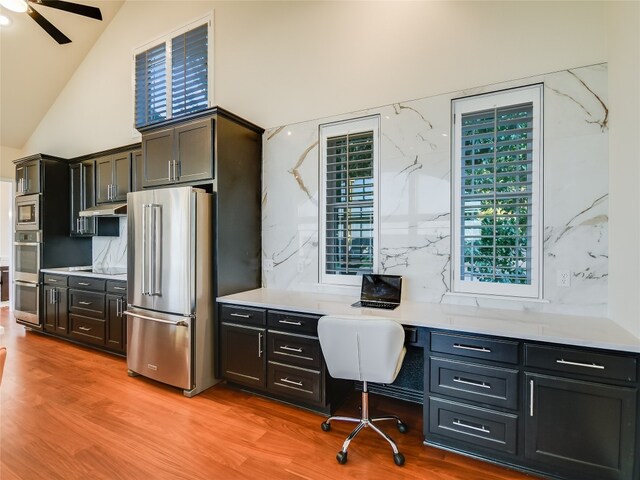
<point x="22" y="6"/>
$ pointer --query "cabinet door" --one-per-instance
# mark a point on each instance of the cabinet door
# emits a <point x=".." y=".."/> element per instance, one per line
<point x="116" y="326"/>
<point x="157" y="153"/>
<point x="136" y="171"/>
<point x="583" y="429"/>
<point x="62" y="311"/>
<point x="104" y="179"/>
<point x="194" y="151"/>
<point x="243" y="354"/>
<point x="76" y="198"/>
<point x="121" y="168"/>
<point x="28" y="178"/>
<point x="49" y="309"/>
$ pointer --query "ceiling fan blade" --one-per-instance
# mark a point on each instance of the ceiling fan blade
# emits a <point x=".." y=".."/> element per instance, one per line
<point x="77" y="8"/>
<point x="48" y="27"/>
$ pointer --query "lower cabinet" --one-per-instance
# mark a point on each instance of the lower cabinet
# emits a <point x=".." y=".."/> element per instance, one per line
<point x="86" y="309"/>
<point x="565" y="413"/>
<point x="277" y="353"/>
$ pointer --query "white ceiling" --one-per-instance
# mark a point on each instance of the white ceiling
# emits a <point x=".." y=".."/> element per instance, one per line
<point x="34" y="68"/>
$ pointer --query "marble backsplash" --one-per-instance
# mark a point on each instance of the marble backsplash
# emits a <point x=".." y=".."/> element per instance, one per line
<point x="109" y="252"/>
<point x="415" y="167"/>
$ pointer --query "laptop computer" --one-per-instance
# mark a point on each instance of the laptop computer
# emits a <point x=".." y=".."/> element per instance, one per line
<point x="380" y="291"/>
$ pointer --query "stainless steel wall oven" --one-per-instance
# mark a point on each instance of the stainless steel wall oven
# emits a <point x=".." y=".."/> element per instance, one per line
<point x="27" y="253"/>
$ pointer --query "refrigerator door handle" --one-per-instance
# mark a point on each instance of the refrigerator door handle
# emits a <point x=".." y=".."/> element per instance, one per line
<point x="156" y="253"/>
<point x="153" y="319"/>
<point x="145" y="248"/>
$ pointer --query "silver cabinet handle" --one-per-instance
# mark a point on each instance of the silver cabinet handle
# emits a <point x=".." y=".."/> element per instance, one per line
<point x="78" y="225"/>
<point x="580" y="364"/>
<point x="291" y="349"/>
<point x="259" y="345"/>
<point x="51" y="297"/>
<point x="85" y="284"/>
<point x="119" y="288"/>
<point x="84" y="329"/>
<point x="286" y="380"/>
<point x="240" y="315"/>
<point x="52" y="280"/>
<point x="481" y="428"/>
<point x="289" y="322"/>
<point x="169" y="166"/>
<point x="84" y="303"/>
<point x="175" y="176"/>
<point x="472" y="348"/>
<point x="531" y="398"/>
<point x="473" y="383"/>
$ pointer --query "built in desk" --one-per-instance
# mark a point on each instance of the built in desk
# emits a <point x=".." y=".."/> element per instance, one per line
<point x="556" y="395"/>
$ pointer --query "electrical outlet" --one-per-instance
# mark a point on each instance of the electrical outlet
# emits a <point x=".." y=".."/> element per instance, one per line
<point x="267" y="265"/>
<point x="564" y="278"/>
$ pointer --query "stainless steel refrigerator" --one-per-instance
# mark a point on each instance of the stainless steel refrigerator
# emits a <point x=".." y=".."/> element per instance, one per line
<point x="171" y="293"/>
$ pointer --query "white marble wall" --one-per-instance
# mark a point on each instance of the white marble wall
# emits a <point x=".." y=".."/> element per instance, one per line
<point x="109" y="252"/>
<point x="415" y="225"/>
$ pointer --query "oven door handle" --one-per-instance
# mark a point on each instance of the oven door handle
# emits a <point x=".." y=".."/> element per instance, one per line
<point x="26" y="284"/>
<point x="26" y="244"/>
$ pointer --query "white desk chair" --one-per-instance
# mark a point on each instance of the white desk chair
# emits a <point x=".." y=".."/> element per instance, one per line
<point x="369" y="349"/>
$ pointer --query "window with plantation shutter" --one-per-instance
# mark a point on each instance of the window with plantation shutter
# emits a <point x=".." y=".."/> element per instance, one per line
<point x="349" y="221"/>
<point x="173" y="77"/>
<point x="497" y="217"/>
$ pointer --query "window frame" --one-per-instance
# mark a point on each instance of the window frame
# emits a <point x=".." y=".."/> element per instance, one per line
<point x="167" y="39"/>
<point x="504" y="98"/>
<point x="325" y="131"/>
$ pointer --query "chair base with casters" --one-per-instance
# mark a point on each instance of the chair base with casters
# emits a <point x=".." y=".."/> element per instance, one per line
<point x="366" y="421"/>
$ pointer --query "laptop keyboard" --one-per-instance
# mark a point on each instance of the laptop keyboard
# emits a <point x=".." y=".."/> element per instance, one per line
<point x="385" y="305"/>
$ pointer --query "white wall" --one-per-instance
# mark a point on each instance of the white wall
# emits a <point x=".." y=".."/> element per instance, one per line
<point x="6" y="222"/>
<point x="7" y="155"/>
<point x="624" y="164"/>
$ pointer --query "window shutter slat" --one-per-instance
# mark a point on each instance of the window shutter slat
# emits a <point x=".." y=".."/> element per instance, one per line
<point x="189" y="81"/>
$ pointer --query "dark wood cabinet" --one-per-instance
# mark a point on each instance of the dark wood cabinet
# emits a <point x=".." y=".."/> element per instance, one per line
<point x="116" y="333"/>
<point x="112" y="177"/>
<point x="82" y="197"/>
<point x="4" y="284"/>
<point x="28" y="177"/>
<point x="136" y="171"/>
<point x="178" y="154"/>
<point x="56" y="312"/>
<point x="244" y="354"/>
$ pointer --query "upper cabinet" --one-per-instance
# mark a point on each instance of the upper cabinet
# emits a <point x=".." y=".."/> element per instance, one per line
<point x="28" y="177"/>
<point x="178" y="154"/>
<point x="82" y="197"/>
<point x="112" y="178"/>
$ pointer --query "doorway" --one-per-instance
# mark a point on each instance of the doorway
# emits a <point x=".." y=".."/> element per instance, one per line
<point x="6" y="241"/>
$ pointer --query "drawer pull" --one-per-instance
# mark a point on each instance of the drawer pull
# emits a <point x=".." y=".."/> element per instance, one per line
<point x="291" y="349"/>
<point x="580" y="364"/>
<point x="51" y="280"/>
<point x="286" y="380"/>
<point x="473" y="383"/>
<point x="289" y="322"/>
<point x="84" y="303"/>
<point x="84" y="284"/>
<point x="470" y="347"/>
<point x="119" y="288"/>
<point x="84" y="329"/>
<point x="531" y="395"/>
<point x="480" y="428"/>
<point x="241" y="315"/>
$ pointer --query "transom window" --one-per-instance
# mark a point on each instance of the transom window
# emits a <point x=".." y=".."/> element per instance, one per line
<point x="173" y="76"/>
<point x="497" y="202"/>
<point x="349" y="152"/>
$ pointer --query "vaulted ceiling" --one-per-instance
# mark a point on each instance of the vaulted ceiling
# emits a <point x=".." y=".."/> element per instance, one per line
<point x="34" y="68"/>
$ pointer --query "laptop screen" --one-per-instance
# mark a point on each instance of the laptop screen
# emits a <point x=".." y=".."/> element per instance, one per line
<point x="381" y="288"/>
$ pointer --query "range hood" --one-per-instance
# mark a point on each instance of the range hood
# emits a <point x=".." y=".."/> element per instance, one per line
<point x="106" y="210"/>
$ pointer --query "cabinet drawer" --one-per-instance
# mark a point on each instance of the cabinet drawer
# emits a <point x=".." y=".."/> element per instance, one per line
<point x="87" y="329"/>
<point x="236" y="314"/>
<point x="294" y="349"/>
<point x="91" y="304"/>
<point x="583" y="362"/>
<point x="475" y="347"/>
<point x="119" y="288"/>
<point x="478" y="426"/>
<point x="298" y="383"/>
<point x="478" y="383"/>
<point x="57" y="280"/>
<point x="294" y="322"/>
<point x="87" y="283"/>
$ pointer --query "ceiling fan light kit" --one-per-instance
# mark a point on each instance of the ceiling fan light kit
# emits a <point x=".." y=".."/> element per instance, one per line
<point x="22" y="6"/>
<point x="19" y="6"/>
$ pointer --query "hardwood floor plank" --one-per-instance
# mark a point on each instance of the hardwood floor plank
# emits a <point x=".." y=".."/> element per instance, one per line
<point x="68" y="412"/>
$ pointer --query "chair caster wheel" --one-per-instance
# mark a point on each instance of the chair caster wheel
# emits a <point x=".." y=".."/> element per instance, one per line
<point x="342" y="457"/>
<point x="325" y="426"/>
<point x="398" y="459"/>
<point x="402" y="427"/>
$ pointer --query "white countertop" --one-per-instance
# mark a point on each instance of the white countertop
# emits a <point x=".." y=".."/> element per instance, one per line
<point x="78" y="272"/>
<point x="592" y="332"/>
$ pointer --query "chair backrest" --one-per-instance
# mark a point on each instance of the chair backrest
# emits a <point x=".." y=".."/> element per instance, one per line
<point x="3" y="357"/>
<point x="362" y="348"/>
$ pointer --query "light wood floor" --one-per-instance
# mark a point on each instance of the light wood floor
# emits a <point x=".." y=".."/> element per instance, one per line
<point x="68" y="412"/>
